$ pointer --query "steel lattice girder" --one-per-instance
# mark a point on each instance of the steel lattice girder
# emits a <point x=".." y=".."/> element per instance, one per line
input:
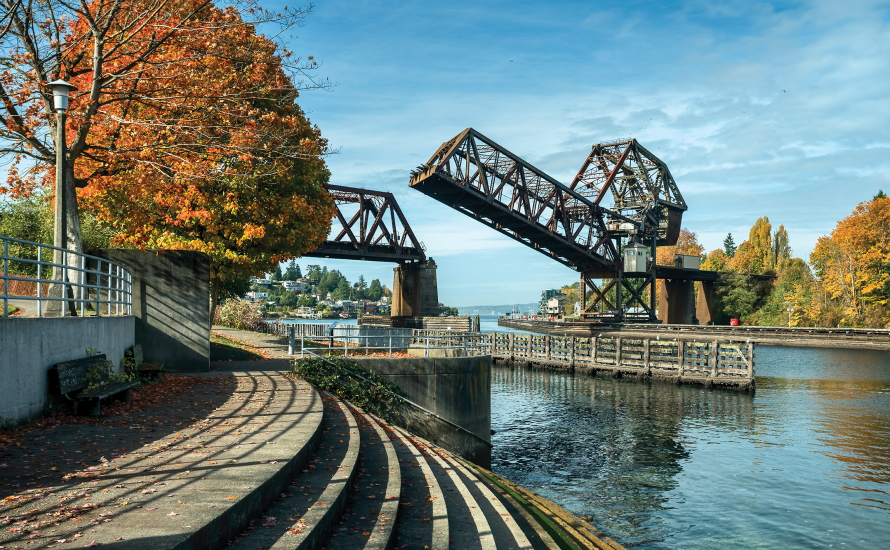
<point x="372" y="227"/>
<point x="638" y="183"/>
<point x="478" y="177"/>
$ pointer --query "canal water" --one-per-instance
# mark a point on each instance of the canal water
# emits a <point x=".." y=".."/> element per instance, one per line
<point x="804" y="462"/>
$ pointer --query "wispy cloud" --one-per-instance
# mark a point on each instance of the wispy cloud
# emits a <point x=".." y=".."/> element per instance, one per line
<point x="757" y="108"/>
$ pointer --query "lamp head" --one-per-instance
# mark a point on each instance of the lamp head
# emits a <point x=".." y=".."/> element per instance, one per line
<point x="61" y="91"/>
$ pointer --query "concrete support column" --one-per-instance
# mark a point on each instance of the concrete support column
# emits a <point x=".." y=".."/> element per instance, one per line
<point x="676" y="302"/>
<point x="706" y="303"/>
<point x="415" y="291"/>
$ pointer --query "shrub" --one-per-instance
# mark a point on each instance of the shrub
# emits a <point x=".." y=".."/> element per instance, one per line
<point x="338" y="376"/>
<point x="240" y="315"/>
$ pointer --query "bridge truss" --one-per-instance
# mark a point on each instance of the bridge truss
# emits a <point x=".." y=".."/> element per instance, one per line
<point x="622" y="193"/>
<point x="369" y="226"/>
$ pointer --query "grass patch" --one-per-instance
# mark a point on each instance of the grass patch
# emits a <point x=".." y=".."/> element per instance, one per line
<point x="338" y="376"/>
<point x="10" y="309"/>
<point x="224" y="349"/>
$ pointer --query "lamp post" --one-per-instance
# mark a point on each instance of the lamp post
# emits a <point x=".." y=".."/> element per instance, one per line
<point x="61" y="91"/>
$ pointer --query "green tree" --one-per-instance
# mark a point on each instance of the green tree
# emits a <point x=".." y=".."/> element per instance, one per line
<point x="738" y="297"/>
<point x="234" y="289"/>
<point x="314" y="272"/>
<point x="292" y="273"/>
<point x="729" y="246"/>
<point x="375" y="290"/>
<point x="31" y="219"/>
<point x="289" y="299"/>
<point x="880" y="194"/>
<point x="343" y="290"/>
<point x="276" y="275"/>
<point x="307" y="300"/>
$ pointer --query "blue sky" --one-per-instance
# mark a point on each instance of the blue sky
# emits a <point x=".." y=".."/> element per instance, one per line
<point x="759" y="109"/>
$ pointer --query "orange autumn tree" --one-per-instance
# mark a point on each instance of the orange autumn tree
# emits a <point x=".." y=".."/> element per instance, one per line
<point x="687" y="243"/>
<point x="853" y="266"/>
<point x="184" y="132"/>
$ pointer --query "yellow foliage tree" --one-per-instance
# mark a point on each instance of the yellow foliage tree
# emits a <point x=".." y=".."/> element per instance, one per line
<point x="853" y="264"/>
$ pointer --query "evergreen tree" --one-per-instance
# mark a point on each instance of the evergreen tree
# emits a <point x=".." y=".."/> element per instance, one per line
<point x="729" y="246"/>
<point x="880" y="194"/>
<point x="375" y="290"/>
<point x="292" y="273"/>
<point x="276" y="275"/>
<point x="342" y="291"/>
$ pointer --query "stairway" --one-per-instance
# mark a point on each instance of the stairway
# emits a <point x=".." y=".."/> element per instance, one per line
<point x="370" y="485"/>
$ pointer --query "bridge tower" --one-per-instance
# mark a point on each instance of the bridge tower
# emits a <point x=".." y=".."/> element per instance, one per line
<point x="415" y="291"/>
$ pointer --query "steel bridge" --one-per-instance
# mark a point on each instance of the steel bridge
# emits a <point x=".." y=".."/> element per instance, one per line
<point x="623" y="194"/>
<point x="371" y="227"/>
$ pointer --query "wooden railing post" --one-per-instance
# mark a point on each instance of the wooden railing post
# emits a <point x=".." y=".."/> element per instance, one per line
<point x="714" y="353"/>
<point x="512" y="346"/>
<point x="750" y="360"/>
<point x="646" y="354"/>
<point x="572" y="352"/>
<point x="547" y="347"/>
<point x="680" y="352"/>
<point x="528" y="352"/>
<point x="593" y="349"/>
<point x="617" y="351"/>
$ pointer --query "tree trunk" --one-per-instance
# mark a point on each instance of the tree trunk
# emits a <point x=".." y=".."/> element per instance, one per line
<point x="214" y="297"/>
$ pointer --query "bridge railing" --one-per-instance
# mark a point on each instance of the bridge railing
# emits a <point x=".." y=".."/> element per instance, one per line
<point x="76" y="283"/>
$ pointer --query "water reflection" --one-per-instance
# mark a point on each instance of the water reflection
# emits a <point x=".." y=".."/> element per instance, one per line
<point x="802" y="462"/>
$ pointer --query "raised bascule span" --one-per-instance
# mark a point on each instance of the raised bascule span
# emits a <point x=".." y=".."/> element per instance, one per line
<point x="622" y="195"/>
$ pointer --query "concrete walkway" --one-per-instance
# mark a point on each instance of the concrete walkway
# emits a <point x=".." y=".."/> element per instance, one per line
<point x="270" y="345"/>
<point x="217" y="453"/>
<point x="245" y="454"/>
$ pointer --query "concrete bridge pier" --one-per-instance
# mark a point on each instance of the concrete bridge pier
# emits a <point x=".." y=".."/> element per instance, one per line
<point x="676" y="302"/>
<point x="415" y="291"/>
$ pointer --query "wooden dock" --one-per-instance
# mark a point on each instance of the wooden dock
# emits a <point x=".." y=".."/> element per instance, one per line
<point x="715" y="363"/>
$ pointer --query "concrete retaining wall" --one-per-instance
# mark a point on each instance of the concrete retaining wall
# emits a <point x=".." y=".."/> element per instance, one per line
<point x="30" y="346"/>
<point x="455" y="388"/>
<point x="171" y="302"/>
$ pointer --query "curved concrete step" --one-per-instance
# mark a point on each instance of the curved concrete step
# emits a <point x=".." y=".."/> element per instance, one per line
<point x="468" y="526"/>
<point x="423" y="517"/>
<point x="373" y="506"/>
<point x="197" y="487"/>
<point x="304" y="517"/>
<point x="506" y="528"/>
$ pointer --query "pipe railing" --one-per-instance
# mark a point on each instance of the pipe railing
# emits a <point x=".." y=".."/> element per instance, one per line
<point x="80" y="283"/>
<point x="464" y="345"/>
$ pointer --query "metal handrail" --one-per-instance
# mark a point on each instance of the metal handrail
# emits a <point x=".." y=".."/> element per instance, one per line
<point x="80" y="277"/>
<point x="467" y="343"/>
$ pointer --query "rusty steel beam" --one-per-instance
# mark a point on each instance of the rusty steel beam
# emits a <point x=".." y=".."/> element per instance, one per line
<point x="627" y="178"/>
<point x="369" y="225"/>
<point x="478" y="177"/>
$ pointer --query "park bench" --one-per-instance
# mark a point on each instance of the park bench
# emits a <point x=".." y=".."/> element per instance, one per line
<point x="70" y="380"/>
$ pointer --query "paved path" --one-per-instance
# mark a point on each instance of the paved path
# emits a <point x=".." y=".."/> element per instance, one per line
<point x="271" y="345"/>
<point x="174" y="474"/>
<point x="245" y="454"/>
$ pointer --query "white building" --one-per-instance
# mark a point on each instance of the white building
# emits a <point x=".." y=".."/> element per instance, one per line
<point x="263" y="282"/>
<point x="554" y="305"/>
<point x="293" y="286"/>
<point x="257" y="296"/>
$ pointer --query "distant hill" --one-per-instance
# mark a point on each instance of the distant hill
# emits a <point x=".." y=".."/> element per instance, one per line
<point x="502" y="309"/>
